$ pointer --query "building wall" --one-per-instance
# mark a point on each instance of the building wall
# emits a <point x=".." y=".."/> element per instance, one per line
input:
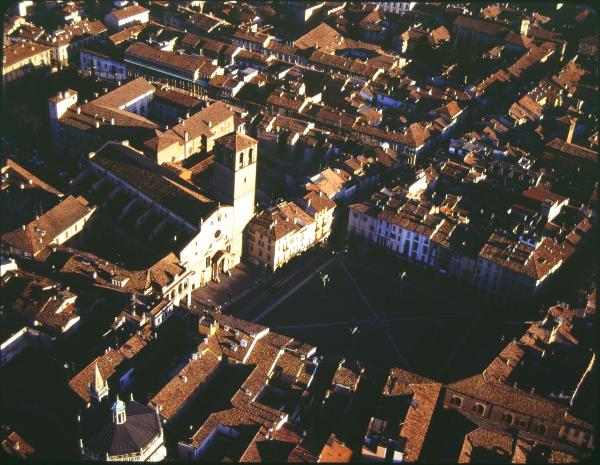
<point x="215" y="234"/>
<point x="115" y="24"/>
<point x="24" y="67"/>
<point x="507" y="418"/>
<point x="102" y="67"/>
<point x="396" y="7"/>
<point x="275" y="253"/>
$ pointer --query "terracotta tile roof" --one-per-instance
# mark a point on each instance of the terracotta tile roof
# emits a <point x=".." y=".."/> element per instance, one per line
<point x="249" y="36"/>
<point x="38" y="234"/>
<point x="109" y="361"/>
<point x="86" y="264"/>
<point x="489" y="390"/>
<point x="343" y="65"/>
<point x="572" y="150"/>
<point x="483" y="438"/>
<point x="451" y="109"/>
<point x="532" y="57"/>
<point x="318" y="202"/>
<point x="329" y="181"/>
<point x="540" y="195"/>
<point x="236" y="142"/>
<point x="281" y="220"/>
<point x="126" y="164"/>
<point x="290" y="365"/>
<point x="286" y="123"/>
<point x="335" y="451"/>
<point x="417" y="421"/>
<point x="40" y="299"/>
<point x="322" y="37"/>
<point x="164" y="271"/>
<point x="518" y="39"/>
<point x="14" y="170"/>
<point x="178" y="97"/>
<point x="498" y="79"/>
<point x="285" y="100"/>
<point x="526" y="108"/>
<point x="348" y="374"/>
<point x="125" y="93"/>
<point x="180" y="389"/>
<point x="204" y="22"/>
<point x="440" y="34"/>
<point x="399" y="382"/>
<point x="16" y="53"/>
<point x="128" y="11"/>
<point x="104" y="123"/>
<point x="188" y="64"/>
<point x="246" y="327"/>
<point x="478" y="25"/>
<point x="199" y="124"/>
<point x="15" y="446"/>
<point x="127" y="34"/>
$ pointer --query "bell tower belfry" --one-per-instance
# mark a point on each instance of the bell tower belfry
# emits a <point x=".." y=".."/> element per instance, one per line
<point x="99" y="389"/>
<point x="234" y="182"/>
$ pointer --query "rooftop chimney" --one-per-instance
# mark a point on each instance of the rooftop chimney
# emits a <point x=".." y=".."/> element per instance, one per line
<point x="572" y="126"/>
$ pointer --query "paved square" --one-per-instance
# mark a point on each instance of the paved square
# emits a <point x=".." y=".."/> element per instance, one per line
<point x="380" y="318"/>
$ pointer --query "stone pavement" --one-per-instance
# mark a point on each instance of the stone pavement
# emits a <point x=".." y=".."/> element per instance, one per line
<point x="244" y="277"/>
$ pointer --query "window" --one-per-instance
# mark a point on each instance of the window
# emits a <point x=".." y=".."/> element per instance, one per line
<point x="479" y="409"/>
<point x="241" y="162"/>
<point x="540" y="429"/>
<point x="456" y="401"/>
<point x="207" y="261"/>
<point x="250" y="157"/>
<point x="507" y="418"/>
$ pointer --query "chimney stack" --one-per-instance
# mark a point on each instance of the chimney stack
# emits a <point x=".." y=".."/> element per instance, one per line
<point x="571" y="129"/>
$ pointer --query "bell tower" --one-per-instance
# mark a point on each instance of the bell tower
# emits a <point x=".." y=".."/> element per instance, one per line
<point x="99" y="389"/>
<point x="234" y="182"/>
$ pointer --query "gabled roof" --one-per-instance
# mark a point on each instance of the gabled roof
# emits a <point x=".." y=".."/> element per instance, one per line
<point x="129" y="165"/>
<point x="35" y="236"/>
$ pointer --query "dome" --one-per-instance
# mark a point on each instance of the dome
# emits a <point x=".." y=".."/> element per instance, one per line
<point x="118" y="406"/>
<point x="118" y="411"/>
<point x="101" y="436"/>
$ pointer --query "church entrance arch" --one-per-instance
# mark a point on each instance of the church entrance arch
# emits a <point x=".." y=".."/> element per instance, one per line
<point x="220" y="264"/>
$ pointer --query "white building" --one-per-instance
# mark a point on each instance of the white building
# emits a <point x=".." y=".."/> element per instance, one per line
<point x="120" y="18"/>
<point x="279" y="234"/>
<point x="396" y="7"/>
<point x="104" y="62"/>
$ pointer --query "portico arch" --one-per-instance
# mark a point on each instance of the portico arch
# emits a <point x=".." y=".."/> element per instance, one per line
<point x="220" y="263"/>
